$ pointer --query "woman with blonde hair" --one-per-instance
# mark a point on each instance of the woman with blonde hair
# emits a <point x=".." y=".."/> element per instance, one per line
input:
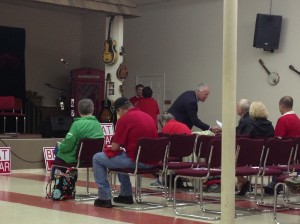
<point x="259" y="126"/>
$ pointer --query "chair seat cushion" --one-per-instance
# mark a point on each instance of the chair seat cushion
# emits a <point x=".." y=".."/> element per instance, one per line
<point x="61" y="163"/>
<point x="279" y="167"/>
<point x="247" y="171"/>
<point x="140" y="171"/>
<point x="198" y="172"/>
<point x="179" y="165"/>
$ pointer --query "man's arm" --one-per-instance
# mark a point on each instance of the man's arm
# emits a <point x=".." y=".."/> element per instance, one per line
<point x="192" y="110"/>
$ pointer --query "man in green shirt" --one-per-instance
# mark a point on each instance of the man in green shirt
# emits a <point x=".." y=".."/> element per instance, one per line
<point x="86" y="126"/>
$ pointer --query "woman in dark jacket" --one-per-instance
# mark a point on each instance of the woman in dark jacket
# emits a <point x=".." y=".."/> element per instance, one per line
<point x="259" y="126"/>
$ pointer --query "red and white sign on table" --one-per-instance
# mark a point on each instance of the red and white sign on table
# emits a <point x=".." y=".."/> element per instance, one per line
<point x="5" y="164"/>
<point x="108" y="131"/>
<point x="49" y="157"/>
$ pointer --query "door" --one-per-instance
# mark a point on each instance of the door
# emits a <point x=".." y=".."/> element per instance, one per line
<point x="157" y="84"/>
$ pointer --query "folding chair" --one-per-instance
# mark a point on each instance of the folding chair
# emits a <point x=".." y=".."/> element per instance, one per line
<point x="149" y="151"/>
<point x="201" y="174"/>
<point x="277" y="161"/>
<point x="11" y="106"/>
<point x="86" y="149"/>
<point x="180" y="146"/>
<point x="249" y="157"/>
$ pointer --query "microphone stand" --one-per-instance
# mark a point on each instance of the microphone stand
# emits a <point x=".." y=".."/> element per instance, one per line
<point x="71" y="91"/>
<point x="61" y="97"/>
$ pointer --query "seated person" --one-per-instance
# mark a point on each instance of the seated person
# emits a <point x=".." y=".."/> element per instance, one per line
<point x="85" y="126"/>
<point x="259" y="126"/>
<point x="171" y="126"/>
<point x="131" y="126"/>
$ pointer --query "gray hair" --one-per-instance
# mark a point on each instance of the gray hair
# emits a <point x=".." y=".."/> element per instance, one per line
<point x="245" y="104"/>
<point x="167" y="117"/>
<point x="202" y="86"/>
<point x="85" y="107"/>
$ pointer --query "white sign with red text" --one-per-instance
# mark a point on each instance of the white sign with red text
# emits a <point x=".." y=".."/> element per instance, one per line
<point x="5" y="164"/>
<point x="49" y="157"/>
<point x="108" y="131"/>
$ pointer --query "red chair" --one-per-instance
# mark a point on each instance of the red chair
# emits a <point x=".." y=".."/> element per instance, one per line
<point x="11" y="107"/>
<point x="149" y="151"/>
<point x="86" y="149"/>
<point x="181" y="145"/>
<point x="201" y="174"/>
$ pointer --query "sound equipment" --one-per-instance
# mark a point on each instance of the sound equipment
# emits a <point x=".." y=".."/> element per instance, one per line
<point x="56" y="126"/>
<point x="86" y="83"/>
<point x="267" y="32"/>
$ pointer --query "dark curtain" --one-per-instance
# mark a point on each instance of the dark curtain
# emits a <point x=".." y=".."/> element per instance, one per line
<point x="12" y="62"/>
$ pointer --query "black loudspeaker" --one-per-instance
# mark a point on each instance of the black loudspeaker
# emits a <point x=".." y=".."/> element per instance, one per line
<point x="267" y="32"/>
<point x="56" y="126"/>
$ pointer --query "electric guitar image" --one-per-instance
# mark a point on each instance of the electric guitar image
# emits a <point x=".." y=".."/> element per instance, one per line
<point x="106" y="114"/>
<point x="109" y="55"/>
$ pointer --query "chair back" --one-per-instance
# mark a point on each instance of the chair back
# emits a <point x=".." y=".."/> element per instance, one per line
<point x="86" y="149"/>
<point x="152" y="150"/>
<point x="182" y="145"/>
<point x="202" y="147"/>
<point x="214" y="155"/>
<point x="7" y="102"/>
<point x="296" y="157"/>
<point x="279" y="151"/>
<point x="249" y="152"/>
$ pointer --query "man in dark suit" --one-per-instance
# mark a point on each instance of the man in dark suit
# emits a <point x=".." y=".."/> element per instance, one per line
<point x="185" y="108"/>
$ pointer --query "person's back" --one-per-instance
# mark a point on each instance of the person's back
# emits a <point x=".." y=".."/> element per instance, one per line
<point x="242" y="109"/>
<point x="288" y="125"/>
<point x="259" y="126"/>
<point x="150" y="107"/>
<point x="171" y="126"/>
<point x="86" y="126"/>
<point x="132" y="126"/>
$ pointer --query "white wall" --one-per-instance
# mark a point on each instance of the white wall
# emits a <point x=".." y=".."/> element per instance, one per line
<point x="181" y="38"/>
<point x="184" y="40"/>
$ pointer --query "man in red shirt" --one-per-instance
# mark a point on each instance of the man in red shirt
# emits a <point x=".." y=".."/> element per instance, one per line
<point x="139" y="94"/>
<point x="131" y="126"/>
<point x="288" y="125"/>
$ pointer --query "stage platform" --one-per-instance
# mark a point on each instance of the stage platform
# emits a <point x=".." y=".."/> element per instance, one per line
<point x="27" y="149"/>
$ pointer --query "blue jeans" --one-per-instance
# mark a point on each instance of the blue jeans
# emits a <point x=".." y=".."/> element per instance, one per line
<point x="100" y="165"/>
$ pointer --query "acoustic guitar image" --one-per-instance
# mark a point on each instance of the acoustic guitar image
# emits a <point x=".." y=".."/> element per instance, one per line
<point x="109" y="55"/>
<point x="106" y="115"/>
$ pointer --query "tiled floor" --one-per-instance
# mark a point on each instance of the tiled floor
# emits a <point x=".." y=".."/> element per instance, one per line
<point x="22" y="200"/>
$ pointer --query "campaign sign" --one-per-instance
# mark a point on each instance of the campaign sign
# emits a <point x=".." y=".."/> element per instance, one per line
<point x="49" y="157"/>
<point x="5" y="164"/>
<point x="108" y="131"/>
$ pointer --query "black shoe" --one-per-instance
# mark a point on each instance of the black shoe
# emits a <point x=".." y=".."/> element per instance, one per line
<point x="244" y="189"/>
<point x="269" y="190"/>
<point x="103" y="203"/>
<point x="123" y="199"/>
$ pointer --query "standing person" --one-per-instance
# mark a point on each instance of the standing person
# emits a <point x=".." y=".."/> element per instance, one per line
<point x="242" y="110"/>
<point x="288" y="125"/>
<point x="86" y="126"/>
<point x="148" y="104"/>
<point x="139" y="94"/>
<point x="131" y="126"/>
<point x="185" y="108"/>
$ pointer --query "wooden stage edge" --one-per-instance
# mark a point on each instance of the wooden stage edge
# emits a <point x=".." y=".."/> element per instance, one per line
<point x="27" y="149"/>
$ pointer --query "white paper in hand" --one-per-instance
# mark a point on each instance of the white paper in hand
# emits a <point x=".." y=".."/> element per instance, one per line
<point x="219" y="123"/>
